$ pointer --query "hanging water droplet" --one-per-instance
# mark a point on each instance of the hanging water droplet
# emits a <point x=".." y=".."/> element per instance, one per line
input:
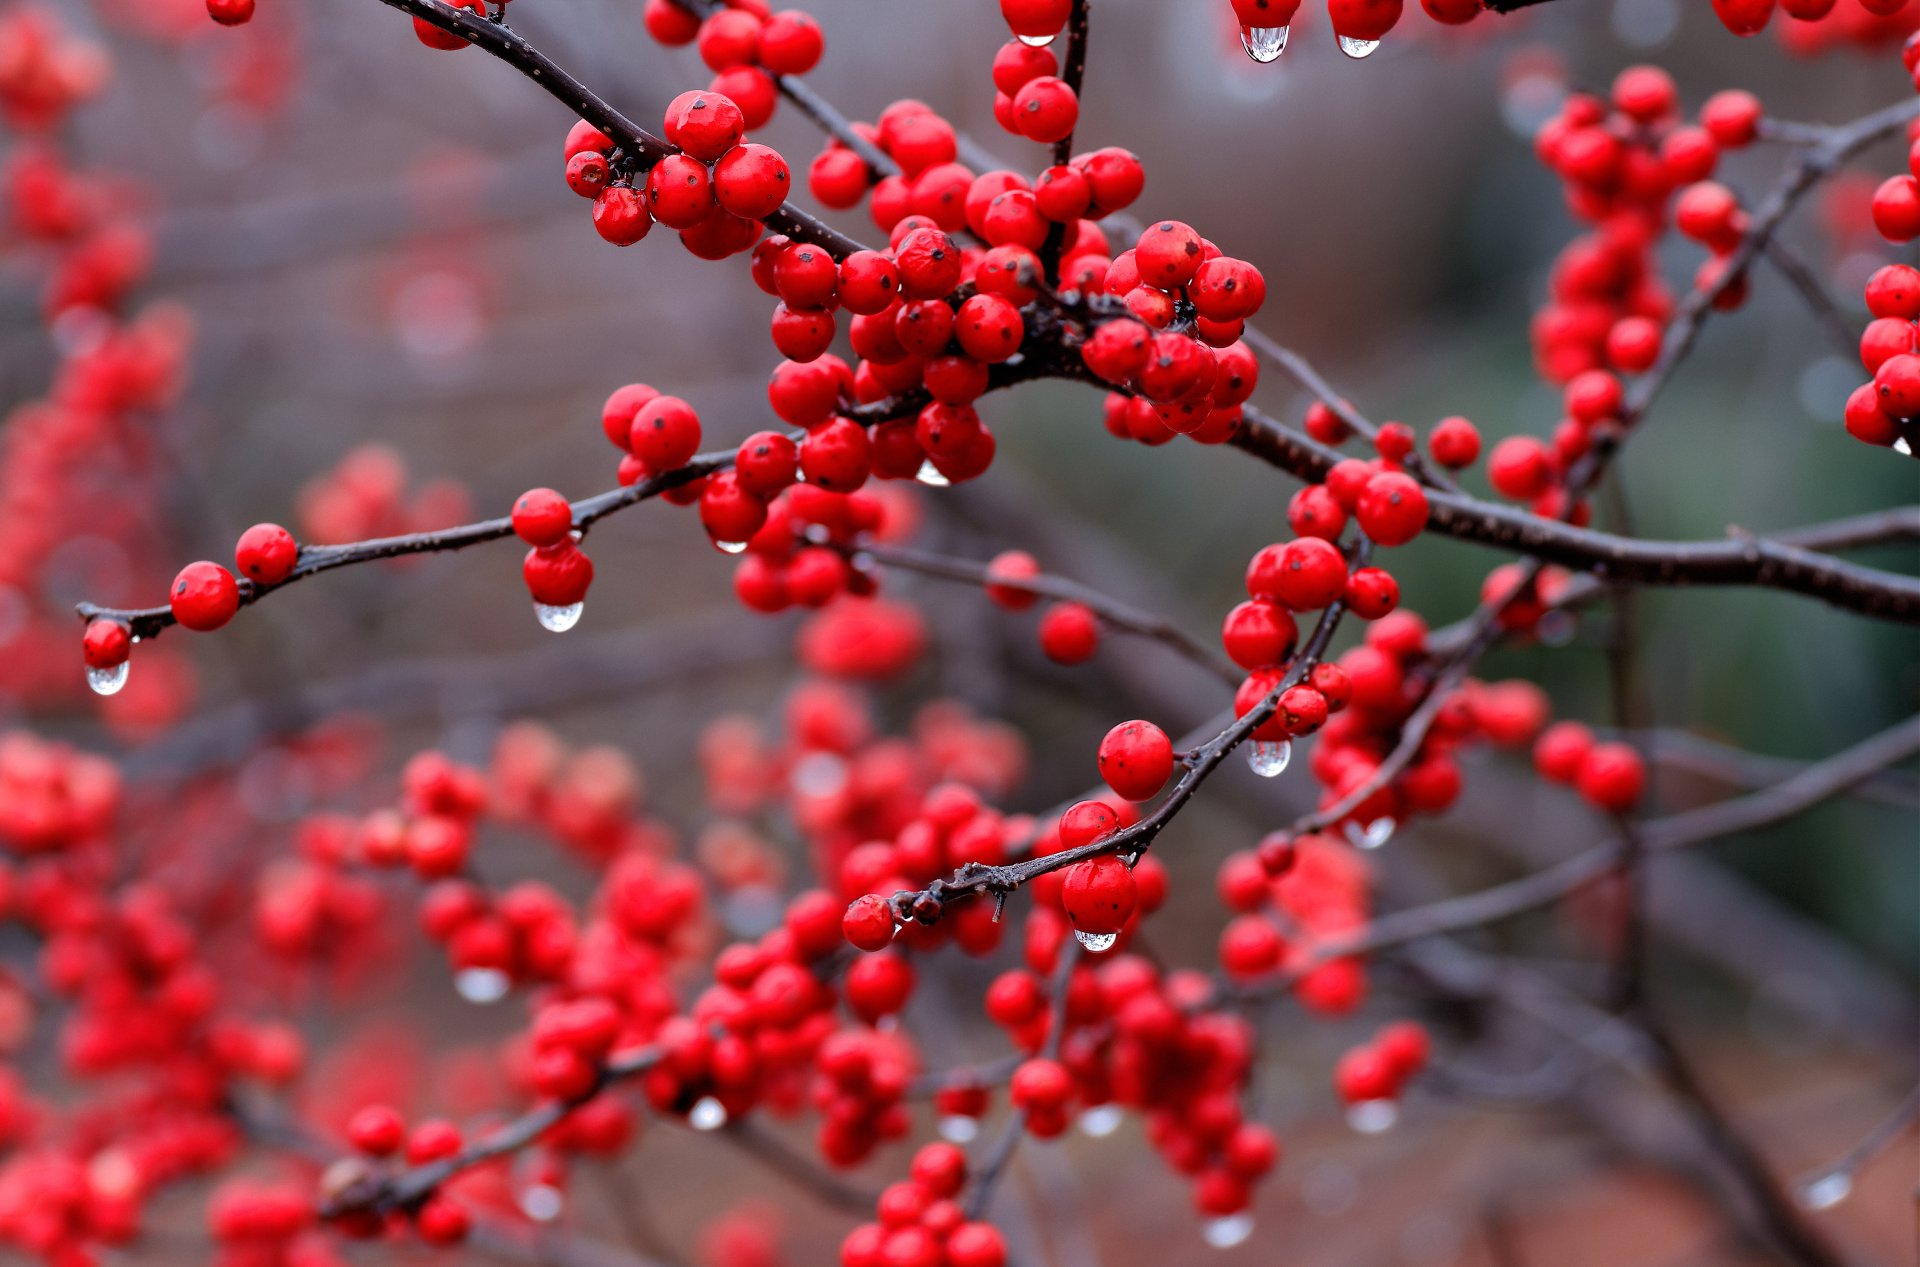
<point x="1371" y="1117"/>
<point x="1095" y="942"/>
<point x="558" y="619"/>
<point x="930" y="475"/>
<point x="1901" y="447"/>
<point x="481" y="985"/>
<point x="1264" y="43"/>
<point x="1556" y="628"/>
<point x="1357" y="48"/>
<point x="1379" y="832"/>
<point x="956" y="1128"/>
<point x="1101" y="1120"/>
<point x="1228" y="1230"/>
<point x="1037" y="41"/>
<point x="730" y="547"/>
<point x="542" y="1202"/>
<point x="708" y="1114"/>
<point x="108" y="681"/>
<point x="1826" y="1191"/>
<point x="1268" y="758"/>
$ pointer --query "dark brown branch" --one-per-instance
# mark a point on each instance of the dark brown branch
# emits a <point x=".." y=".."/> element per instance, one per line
<point x="1073" y="72"/>
<point x="1301" y="371"/>
<point x="382" y="1192"/>
<point x="975" y="878"/>
<point x="1800" y="275"/>
<point x="1751" y="561"/>
<point x="636" y="143"/>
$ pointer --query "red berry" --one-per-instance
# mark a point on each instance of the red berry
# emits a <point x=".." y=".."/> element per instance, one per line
<point x="751" y="181"/>
<point x="1069" y="633"/>
<point x="541" y="517"/>
<point x="266" y="554"/>
<point x="704" y="124"/>
<point x="1371" y="593"/>
<point x="1012" y="565"/>
<point x="790" y="43"/>
<point x="1393" y="510"/>
<point x="106" y="644"/>
<point x="1136" y="759"/>
<point x="868" y="923"/>
<point x="204" y="596"/>
<point x="1455" y="443"/>
<point x="1259" y="634"/>
<point x="1612" y="776"/>
<point x="1099" y="895"/>
<point x="558" y="575"/>
<point x="665" y="433"/>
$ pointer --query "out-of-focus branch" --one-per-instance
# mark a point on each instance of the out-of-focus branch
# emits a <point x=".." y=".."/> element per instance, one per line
<point x="1115" y="613"/>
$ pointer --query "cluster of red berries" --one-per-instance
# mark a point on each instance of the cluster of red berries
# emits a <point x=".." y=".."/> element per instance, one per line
<point x="1313" y="885"/>
<point x="1380" y="1069"/>
<point x="746" y="44"/>
<point x="366" y="494"/>
<point x="1866" y="20"/>
<point x="1884" y="410"/>
<point x="1609" y="776"/>
<point x="919" y="1221"/>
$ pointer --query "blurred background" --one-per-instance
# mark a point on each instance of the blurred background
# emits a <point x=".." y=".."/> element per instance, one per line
<point x="375" y="247"/>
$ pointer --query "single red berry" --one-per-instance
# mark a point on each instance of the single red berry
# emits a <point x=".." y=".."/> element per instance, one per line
<point x="1169" y="254"/>
<point x="426" y="32"/>
<point x="1303" y="709"/>
<point x="868" y="923"/>
<point x="240" y="12"/>
<point x="665" y="433"/>
<point x="620" y="215"/>
<point x="1612" y="776"/>
<point x="766" y="464"/>
<point x="1099" y="895"/>
<point x="1732" y="118"/>
<point x="265" y="554"/>
<point x="1393" y="510"/>
<point x="1259" y="634"/>
<point x="1364" y="1074"/>
<point x="790" y="43"/>
<point x="1560" y="750"/>
<point x="541" y="517"/>
<point x="1455" y="443"/>
<point x="1009" y="566"/>
<point x="106" y="644"/>
<point x="558" y="575"/>
<point x="1069" y="633"/>
<point x="1371" y="593"/>
<point x="1136" y="759"/>
<point x="751" y="181"/>
<point x="1085" y="822"/>
<point x="377" y="1130"/>
<point x="204" y="596"/>
<point x="704" y="124"/>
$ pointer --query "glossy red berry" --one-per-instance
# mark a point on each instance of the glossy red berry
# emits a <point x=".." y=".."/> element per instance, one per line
<point x="869" y="923"/>
<point x="1371" y="593"/>
<point x="1168" y="254"/>
<point x="751" y="181"/>
<point x="1136" y="759"/>
<point x="558" y="575"/>
<point x="704" y="124"/>
<point x="665" y="433"/>
<point x="1099" y="895"/>
<point x="204" y="596"/>
<point x="1259" y="634"/>
<point x="1393" y="510"/>
<point x="106" y="644"/>
<point x="620" y="215"/>
<point x="541" y="517"/>
<point x="266" y="554"/>
<point x="1012" y="566"/>
<point x="790" y="43"/>
<point x="1455" y="443"/>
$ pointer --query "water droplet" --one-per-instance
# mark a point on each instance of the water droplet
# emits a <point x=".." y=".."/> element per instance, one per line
<point x="1371" y="1117"/>
<point x="1095" y="942"/>
<point x="558" y="619"/>
<point x="1357" y="48"/>
<point x="708" y="1114"/>
<point x="1826" y="1191"/>
<point x="542" y="1203"/>
<point x="730" y="547"/>
<point x="1901" y="447"/>
<point x="1037" y="41"/>
<point x="930" y="475"/>
<point x="957" y="1129"/>
<point x="108" y="681"/>
<point x="1101" y="1120"/>
<point x="1264" y="43"/>
<point x="481" y="985"/>
<point x="1556" y="628"/>
<point x="1227" y="1231"/>
<point x="1268" y="758"/>
<point x="1372" y="836"/>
